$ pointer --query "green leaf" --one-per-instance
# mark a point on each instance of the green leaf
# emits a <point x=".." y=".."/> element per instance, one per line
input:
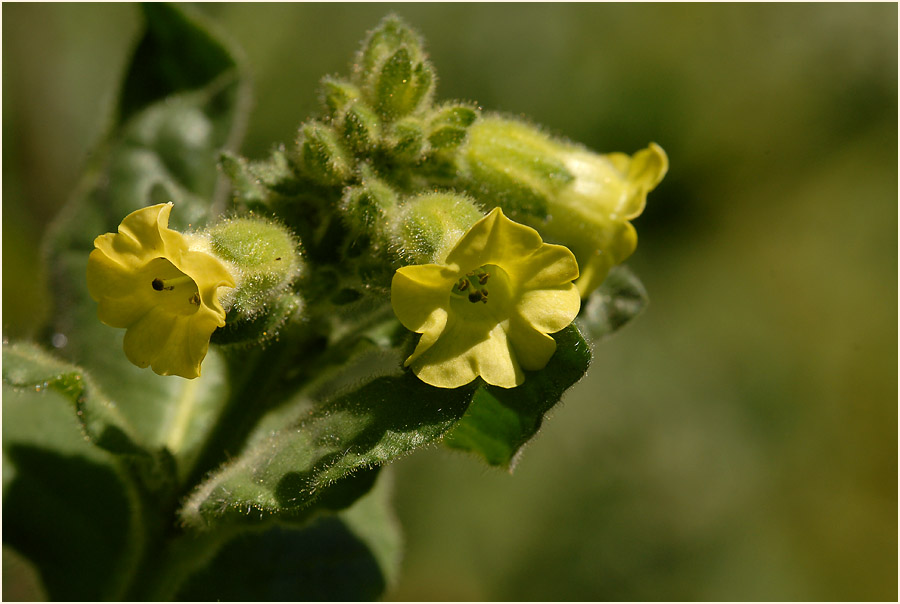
<point x="617" y="301"/>
<point x="174" y="55"/>
<point x="27" y="367"/>
<point x="351" y="556"/>
<point x="500" y="421"/>
<point x="66" y="506"/>
<point x="293" y="467"/>
<point x="182" y="103"/>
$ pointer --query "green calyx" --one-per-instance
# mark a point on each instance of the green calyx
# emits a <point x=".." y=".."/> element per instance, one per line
<point x="264" y="256"/>
<point x="430" y="225"/>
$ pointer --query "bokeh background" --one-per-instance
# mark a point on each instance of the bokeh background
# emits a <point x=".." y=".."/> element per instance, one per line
<point x="738" y="441"/>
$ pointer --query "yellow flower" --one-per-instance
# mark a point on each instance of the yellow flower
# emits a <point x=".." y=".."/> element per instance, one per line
<point x="488" y="308"/>
<point x="592" y="214"/>
<point x="148" y="280"/>
<point x="573" y="196"/>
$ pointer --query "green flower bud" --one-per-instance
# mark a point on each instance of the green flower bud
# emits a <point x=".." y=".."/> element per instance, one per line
<point x="276" y="173"/>
<point x="448" y="125"/>
<point x="429" y="225"/>
<point x="390" y="35"/>
<point x="406" y="139"/>
<point x="402" y="85"/>
<point x="254" y="182"/>
<point x="336" y="94"/>
<point x="265" y="259"/>
<point x="367" y="207"/>
<point x="361" y="127"/>
<point x="246" y="189"/>
<point x="392" y="70"/>
<point x="321" y="155"/>
<point x="572" y="195"/>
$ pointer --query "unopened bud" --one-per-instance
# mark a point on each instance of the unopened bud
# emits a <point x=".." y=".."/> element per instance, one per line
<point x="367" y="207"/>
<point x="448" y="125"/>
<point x="406" y="139"/>
<point x="336" y="94"/>
<point x="430" y="225"/>
<point x="361" y="127"/>
<point x="265" y="258"/>
<point x="322" y="156"/>
<point x="391" y="34"/>
<point x="401" y="85"/>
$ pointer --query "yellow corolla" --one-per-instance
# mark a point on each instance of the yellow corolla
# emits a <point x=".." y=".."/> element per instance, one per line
<point x="572" y="195"/>
<point x="488" y="308"/>
<point x="146" y="279"/>
<point x="592" y="214"/>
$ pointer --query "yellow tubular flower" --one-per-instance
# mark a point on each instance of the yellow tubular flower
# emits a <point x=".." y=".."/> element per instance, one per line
<point x="147" y="280"/>
<point x="488" y="309"/>
<point x="573" y="196"/>
<point x="592" y="214"/>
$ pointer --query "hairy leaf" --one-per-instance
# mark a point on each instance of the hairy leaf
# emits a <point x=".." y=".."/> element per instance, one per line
<point x="286" y="472"/>
<point x="617" y="301"/>
<point x="27" y="367"/>
<point x="350" y="556"/>
<point x="66" y="506"/>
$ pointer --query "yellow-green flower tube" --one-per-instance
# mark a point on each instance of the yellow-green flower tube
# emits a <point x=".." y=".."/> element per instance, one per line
<point x="487" y="310"/>
<point x="573" y="196"/>
<point x="148" y="280"/>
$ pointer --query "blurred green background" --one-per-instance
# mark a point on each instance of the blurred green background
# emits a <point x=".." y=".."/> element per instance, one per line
<point x="739" y="440"/>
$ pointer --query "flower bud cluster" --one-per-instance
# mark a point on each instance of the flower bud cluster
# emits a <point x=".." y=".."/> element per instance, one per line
<point x="370" y="172"/>
<point x="384" y="178"/>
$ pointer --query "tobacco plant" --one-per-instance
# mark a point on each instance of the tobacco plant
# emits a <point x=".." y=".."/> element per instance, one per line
<point x="239" y="346"/>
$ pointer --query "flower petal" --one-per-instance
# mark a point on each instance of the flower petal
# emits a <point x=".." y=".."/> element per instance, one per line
<point x="170" y="344"/>
<point x="550" y="309"/>
<point x="416" y="291"/>
<point x="532" y="348"/>
<point x="548" y="266"/>
<point x="463" y="352"/>
<point x="497" y="363"/>
<point x="612" y="246"/>
<point x="148" y="337"/>
<point x="641" y="173"/>
<point x="209" y="274"/>
<point x="431" y="330"/>
<point x="139" y="236"/>
<point x="495" y="239"/>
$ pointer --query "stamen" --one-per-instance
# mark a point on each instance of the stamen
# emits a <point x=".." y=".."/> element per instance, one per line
<point x="195" y="299"/>
<point x="482" y="279"/>
<point x="169" y="284"/>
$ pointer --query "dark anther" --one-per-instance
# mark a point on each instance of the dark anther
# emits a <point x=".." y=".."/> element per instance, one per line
<point x="475" y="296"/>
<point x="279" y="258"/>
<point x="195" y="299"/>
<point x="483" y="278"/>
<point x="157" y="285"/>
<point x="463" y="285"/>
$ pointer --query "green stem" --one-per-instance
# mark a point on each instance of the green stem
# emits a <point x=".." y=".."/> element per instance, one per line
<point x="177" y="429"/>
